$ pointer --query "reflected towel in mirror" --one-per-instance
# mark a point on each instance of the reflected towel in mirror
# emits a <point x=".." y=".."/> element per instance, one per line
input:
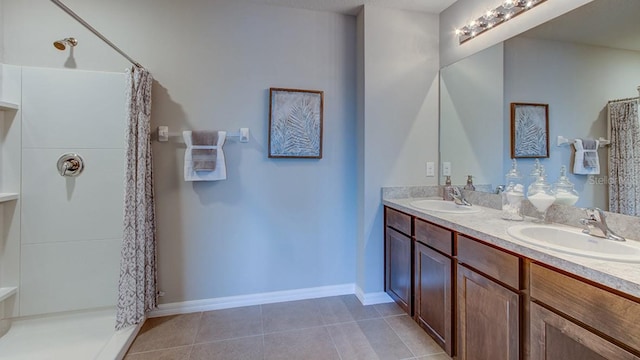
<point x="586" y="161"/>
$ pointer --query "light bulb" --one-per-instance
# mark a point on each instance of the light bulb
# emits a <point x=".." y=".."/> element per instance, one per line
<point x="490" y="14"/>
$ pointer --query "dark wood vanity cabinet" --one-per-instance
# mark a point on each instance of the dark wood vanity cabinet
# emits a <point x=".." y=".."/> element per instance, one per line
<point x="482" y="302"/>
<point x="571" y="319"/>
<point x="398" y="258"/>
<point x="488" y="299"/>
<point x="434" y="271"/>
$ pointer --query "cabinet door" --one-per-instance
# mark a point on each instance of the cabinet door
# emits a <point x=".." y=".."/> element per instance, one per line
<point x="487" y="319"/>
<point x="398" y="268"/>
<point x="433" y="295"/>
<point x="556" y="338"/>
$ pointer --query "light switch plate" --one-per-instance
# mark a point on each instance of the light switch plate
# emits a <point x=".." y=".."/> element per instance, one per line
<point x="446" y="168"/>
<point x="431" y="169"/>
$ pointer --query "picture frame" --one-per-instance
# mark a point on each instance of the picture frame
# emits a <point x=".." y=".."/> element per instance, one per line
<point x="295" y="123"/>
<point x="529" y="130"/>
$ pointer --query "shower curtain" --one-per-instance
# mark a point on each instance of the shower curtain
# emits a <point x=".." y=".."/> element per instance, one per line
<point x="624" y="158"/>
<point x="138" y="270"/>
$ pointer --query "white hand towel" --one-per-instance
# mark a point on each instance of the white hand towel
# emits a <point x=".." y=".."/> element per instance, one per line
<point x="579" y="167"/>
<point x="220" y="172"/>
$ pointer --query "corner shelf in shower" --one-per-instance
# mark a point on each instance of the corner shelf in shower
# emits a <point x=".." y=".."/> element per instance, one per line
<point x="5" y="105"/>
<point x="4" y="197"/>
<point x="6" y="292"/>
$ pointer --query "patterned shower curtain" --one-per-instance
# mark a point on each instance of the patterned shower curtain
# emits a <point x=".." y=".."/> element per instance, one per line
<point x="138" y="271"/>
<point x="624" y="158"/>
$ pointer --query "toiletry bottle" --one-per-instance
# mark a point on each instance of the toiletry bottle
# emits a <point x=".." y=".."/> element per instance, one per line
<point x="513" y="195"/>
<point x="565" y="192"/>
<point x="469" y="185"/>
<point x="447" y="191"/>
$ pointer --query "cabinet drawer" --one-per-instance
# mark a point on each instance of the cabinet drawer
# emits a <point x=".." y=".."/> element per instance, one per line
<point x="398" y="221"/>
<point x="497" y="264"/>
<point x="608" y="313"/>
<point x="434" y="236"/>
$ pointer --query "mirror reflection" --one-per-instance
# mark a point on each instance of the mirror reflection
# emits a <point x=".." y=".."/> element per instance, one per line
<point x="581" y="64"/>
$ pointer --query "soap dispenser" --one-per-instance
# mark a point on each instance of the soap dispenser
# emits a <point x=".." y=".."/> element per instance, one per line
<point x="513" y="195"/>
<point x="469" y="185"/>
<point x="541" y="196"/>
<point x="565" y="192"/>
<point x="447" y="191"/>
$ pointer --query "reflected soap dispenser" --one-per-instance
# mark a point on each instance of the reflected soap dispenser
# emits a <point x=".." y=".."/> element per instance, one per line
<point x="447" y="191"/>
<point x="513" y="195"/>
<point x="469" y="185"/>
<point x="565" y="192"/>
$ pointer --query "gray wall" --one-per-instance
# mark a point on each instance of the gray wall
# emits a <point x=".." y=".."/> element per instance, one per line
<point x="274" y="224"/>
<point x="400" y="123"/>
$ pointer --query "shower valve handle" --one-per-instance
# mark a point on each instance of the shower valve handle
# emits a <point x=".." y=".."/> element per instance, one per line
<point x="70" y="165"/>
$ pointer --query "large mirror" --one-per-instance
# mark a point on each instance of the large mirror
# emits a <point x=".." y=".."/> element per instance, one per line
<point x="575" y="63"/>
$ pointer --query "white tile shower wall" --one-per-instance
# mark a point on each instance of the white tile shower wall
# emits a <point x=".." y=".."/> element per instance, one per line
<point x="68" y="276"/>
<point x="81" y="109"/>
<point x="80" y="208"/>
<point x="71" y="227"/>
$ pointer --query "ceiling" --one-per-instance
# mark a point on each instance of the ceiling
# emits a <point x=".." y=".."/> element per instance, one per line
<point x="607" y="23"/>
<point x="352" y="7"/>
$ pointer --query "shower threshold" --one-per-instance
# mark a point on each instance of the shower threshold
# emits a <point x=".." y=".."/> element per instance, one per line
<point x="69" y="336"/>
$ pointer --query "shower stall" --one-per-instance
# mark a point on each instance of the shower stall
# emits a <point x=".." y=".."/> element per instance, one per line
<point x="61" y="234"/>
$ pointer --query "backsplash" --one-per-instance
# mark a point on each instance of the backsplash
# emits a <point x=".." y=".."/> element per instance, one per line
<point x="624" y="225"/>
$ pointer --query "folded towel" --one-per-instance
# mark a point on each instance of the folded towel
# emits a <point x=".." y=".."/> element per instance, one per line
<point x="204" y="159"/>
<point x="590" y="147"/>
<point x="220" y="172"/>
<point x="580" y="161"/>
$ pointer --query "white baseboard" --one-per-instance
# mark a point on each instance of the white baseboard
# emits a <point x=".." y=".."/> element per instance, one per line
<point x="186" y="307"/>
<point x="372" y="298"/>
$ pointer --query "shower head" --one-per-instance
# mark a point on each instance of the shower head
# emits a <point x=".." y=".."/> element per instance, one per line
<point x="62" y="44"/>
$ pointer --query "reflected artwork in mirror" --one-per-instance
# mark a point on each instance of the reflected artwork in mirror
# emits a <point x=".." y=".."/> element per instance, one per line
<point x="576" y="63"/>
<point x="529" y="130"/>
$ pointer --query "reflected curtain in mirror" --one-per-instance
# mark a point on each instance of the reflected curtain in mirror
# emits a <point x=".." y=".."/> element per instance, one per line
<point x="624" y="157"/>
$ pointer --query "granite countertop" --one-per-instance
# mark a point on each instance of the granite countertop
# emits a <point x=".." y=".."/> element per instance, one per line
<point x="489" y="227"/>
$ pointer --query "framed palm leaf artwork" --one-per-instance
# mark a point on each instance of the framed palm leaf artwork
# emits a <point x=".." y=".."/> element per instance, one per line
<point x="295" y="123"/>
<point x="529" y="130"/>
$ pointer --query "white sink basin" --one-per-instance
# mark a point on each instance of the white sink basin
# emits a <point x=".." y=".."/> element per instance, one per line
<point x="573" y="241"/>
<point x="444" y="206"/>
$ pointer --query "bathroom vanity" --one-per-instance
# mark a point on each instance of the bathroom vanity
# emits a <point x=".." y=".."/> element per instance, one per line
<point x="482" y="294"/>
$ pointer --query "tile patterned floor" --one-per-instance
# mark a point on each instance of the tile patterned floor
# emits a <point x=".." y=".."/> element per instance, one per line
<point x="337" y="328"/>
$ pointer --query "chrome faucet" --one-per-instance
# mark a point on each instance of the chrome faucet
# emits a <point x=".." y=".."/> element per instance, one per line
<point x="595" y="221"/>
<point x="458" y="198"/>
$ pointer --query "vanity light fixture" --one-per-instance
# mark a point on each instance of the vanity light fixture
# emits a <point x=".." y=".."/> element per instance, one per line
<point x="507" y="10"/>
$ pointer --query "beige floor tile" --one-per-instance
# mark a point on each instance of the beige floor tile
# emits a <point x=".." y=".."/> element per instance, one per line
<point x="384" y="341"/>
<point x="179" y="353"/>
<point x="230" y="323"/>
<point x="389" y="309"/>
<point x="248" y="348"/>
<point x="305" y="344"/>
<point x="290" y="315"/>
<point x="413" y="335"/>
<point x="339" y="309"/>
<point x="166" y="332"/>
<point x="351" y="342"/>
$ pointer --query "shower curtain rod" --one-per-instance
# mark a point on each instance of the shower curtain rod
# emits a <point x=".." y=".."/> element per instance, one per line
<point x="94" y="31"/>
